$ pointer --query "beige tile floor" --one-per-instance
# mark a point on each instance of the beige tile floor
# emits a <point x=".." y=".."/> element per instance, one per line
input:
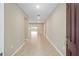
<point x="37" y="45"/>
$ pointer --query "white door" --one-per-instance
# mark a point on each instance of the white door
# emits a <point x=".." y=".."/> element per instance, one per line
<point x="1" y="28"/>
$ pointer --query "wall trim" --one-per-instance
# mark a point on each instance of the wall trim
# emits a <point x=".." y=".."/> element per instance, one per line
<point x="18" y="48"/>
<point x="53" y="45"/>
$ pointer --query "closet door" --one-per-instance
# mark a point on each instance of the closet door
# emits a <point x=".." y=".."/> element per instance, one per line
<point x="71" y="43"/>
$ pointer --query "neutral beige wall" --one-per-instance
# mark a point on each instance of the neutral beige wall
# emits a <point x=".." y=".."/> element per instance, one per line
<point x="56" y="28"/>
<point x="14" y="28"/>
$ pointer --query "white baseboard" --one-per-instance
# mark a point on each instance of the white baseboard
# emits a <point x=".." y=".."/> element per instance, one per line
<point x="18" y="48"/>
<point x="54" y="45"/>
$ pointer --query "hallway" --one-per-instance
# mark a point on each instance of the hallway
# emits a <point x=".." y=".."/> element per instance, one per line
<point x="35" y="29"/>
<point x="39" y="29"/>
<point x="37" y="45"/>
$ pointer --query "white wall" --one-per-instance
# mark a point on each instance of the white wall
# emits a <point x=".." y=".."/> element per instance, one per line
<point x="14" y="28"/>
<point x="56" y="28"/>
<point x="1" y="27"/>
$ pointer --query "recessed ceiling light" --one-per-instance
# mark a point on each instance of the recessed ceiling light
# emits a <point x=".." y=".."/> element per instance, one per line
<point x="37" y="6"/>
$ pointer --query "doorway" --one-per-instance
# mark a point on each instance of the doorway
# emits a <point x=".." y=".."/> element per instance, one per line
<point x="35" y="29"/>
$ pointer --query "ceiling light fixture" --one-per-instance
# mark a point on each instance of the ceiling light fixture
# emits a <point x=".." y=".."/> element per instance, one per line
<point x="38" y="16"/>
<point x="37" y="6"/>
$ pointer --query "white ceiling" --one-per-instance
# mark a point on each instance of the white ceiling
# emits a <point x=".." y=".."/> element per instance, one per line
<point x="44" y="10"/>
